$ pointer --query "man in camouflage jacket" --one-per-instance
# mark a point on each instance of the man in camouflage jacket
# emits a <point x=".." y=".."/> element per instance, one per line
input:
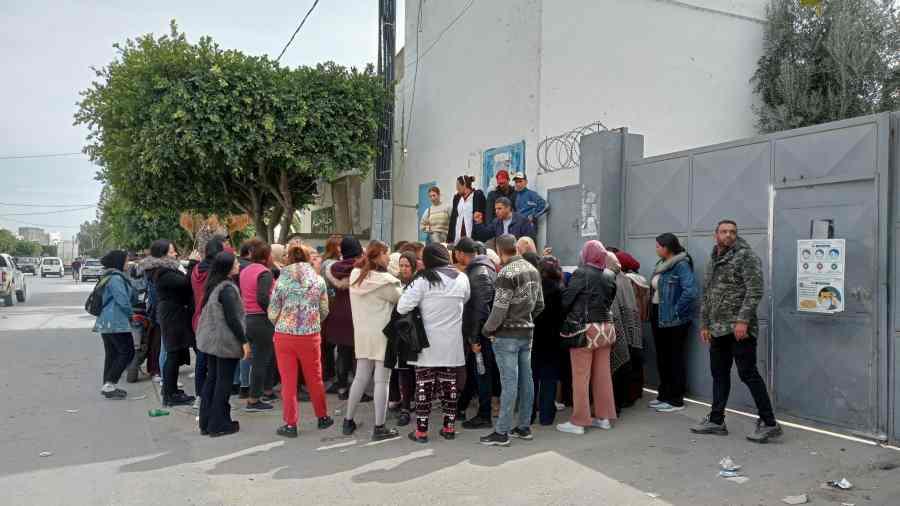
<point x="732" y="291"/>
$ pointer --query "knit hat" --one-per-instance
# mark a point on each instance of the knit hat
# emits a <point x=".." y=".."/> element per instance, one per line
<point x="350" y="247"/>
<point x="594" y="254"/>
<point x="502" y="175"/>
<point x="466" y="245"/>
<point x="435" y="255"/>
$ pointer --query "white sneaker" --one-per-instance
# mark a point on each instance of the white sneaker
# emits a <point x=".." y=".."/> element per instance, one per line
<point x="601" y="424"/>
<point x="655" y="403"/>
<point x="157" y="378"/>
<point x="180" y="385"/>
<point x="662" y="405"/>
<point x="668" y="408"/>
<point x="570" y="428"/>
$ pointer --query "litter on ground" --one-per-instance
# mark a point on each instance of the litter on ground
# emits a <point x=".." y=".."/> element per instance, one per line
<point x="728" y="464"/>
<point x="796" y="499"/>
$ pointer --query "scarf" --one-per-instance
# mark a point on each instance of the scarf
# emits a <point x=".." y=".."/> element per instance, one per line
<point x="628" y="262"/>
<point x="594" y="254"/>
<point x="151" y="263"/>
<point x="665" y="265"/>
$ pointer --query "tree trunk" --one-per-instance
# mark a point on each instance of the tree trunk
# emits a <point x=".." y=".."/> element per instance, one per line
<point x="287" y="221"/>
<point x="274" y="219"/>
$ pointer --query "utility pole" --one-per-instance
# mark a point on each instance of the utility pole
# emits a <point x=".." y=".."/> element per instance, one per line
<point x="382" y="205"/>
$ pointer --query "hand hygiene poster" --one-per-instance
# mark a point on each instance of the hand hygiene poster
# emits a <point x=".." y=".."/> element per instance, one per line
<point x="820" y="275"/>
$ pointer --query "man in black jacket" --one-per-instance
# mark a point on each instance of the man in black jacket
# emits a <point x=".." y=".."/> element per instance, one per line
<point x="503" y="189"/>
<point x="482" y="277"/>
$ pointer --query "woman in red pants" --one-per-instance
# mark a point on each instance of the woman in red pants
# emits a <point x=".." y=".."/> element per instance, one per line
<point x="298" y="306"/>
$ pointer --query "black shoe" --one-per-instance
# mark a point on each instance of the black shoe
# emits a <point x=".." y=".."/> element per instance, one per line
<point x="349" y="427"/>
<point x="235" y="389"/>
<point x="366" y="398"/>
<point x="333" y="388"/>
<point x="343" y="396"/>
<point x="495" y="439"/>
<point x="381" y="433"/>
<point x="270" y="398"/>
<point x="244" y="393"/>
<point x="403" y="419"/>
<point x="235" y="427"/>
<point x="449" y="435"/>
<point x="478" y="423"/>
<point x="522" y="433"/>
<point x="179" y="399"/>
<point x="416" y="439"/>
<point x="258" y="406"/>
<point x="325" y="422"/>
<point x="116" y="395"/>
<point x="287" y="431"/>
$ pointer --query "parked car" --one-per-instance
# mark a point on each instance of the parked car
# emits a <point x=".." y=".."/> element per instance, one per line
<point x="51" y="266"/>
<point x="12" y="281"/>
<point x="91" y="269"/>
<point x="28" y="265"/>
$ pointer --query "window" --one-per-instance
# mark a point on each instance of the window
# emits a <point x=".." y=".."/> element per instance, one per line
<point x="3" y="262"/>
<point x="93" y="263"/>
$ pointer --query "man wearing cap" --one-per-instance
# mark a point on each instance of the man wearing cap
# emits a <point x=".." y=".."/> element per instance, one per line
<point x="527" y="202"/>
<point x="503" y="189"/>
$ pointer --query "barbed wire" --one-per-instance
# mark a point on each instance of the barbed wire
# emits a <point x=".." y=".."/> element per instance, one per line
<point x="562" y="152"/>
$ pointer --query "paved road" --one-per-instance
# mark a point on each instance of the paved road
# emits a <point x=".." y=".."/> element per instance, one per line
<point x="113" y="453"/>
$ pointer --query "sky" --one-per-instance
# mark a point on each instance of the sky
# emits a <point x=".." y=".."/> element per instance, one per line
<point x="48" y="47"/>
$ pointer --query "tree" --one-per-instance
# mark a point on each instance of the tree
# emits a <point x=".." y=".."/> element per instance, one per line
<point x="7" y="242"/>
<point x="27" y="249"/>
<point x="50" y="251"/>
<point x="837" y="61"/>
<point x="193" y="127"/>
<point x="124" y="226"/>
<point x="91" y="241"/>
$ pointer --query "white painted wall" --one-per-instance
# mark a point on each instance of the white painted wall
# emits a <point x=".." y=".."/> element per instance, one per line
<point x="676" y="71"/>
<point x="477" y="88"/>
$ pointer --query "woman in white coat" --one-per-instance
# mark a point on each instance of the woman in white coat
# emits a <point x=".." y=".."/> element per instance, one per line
<point x="440" y="292"/>
<point x="373" y="294"/>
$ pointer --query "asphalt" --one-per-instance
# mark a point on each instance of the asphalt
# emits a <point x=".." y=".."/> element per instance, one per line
<point x="111" y="452"/>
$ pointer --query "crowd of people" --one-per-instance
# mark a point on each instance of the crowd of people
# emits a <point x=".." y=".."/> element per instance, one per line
<point x="463" y="323"/>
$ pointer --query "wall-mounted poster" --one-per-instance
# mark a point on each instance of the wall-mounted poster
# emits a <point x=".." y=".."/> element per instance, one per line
<point x="323" y="220"/>
<point x="588" y="212"/>
<point x="820" y="275"/>
<point x="510" y="158"/>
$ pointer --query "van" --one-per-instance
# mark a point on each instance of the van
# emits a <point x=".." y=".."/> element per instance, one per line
<point x="51" y="266"/>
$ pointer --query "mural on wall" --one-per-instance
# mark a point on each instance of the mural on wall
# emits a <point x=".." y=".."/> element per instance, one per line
<point x="510" y="158"/>
<point x="424" y="204"/>
<point x="323" y="220"/>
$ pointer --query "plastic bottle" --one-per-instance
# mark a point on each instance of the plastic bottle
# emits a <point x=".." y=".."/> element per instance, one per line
<point x="157" y="412"/>
<point x="479" y="363"/>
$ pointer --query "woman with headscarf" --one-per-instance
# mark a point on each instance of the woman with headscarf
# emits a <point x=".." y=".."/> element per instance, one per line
<point x="440" y="293"/>
<point x="299" y="304"/>
<point x="629" y="384"/>
<point x="114" y="322"/>
<point x="174" y="310"/>
<point x="673" y="294"/>
<point x="338" y="327"/>
<point x="586" y="303"/>
<point x="222" y="337"/>
<point x="625" y="318"/>
<point x="373" y="294"/>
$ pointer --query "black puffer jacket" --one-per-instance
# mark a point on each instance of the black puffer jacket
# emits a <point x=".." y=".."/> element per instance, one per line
<point x="588" y="297"/>
<point x="175" y="308"/>
<point x="482" y="279"/>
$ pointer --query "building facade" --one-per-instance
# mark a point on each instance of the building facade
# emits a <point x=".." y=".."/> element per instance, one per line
<point x="511" y="72"/>
<point x="35" y="234"/>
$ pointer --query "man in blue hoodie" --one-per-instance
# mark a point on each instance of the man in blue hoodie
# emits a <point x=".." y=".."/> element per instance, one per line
<point x="528" y="203"/>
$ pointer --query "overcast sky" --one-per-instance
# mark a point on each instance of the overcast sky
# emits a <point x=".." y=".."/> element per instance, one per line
<point x="47" y="48"/>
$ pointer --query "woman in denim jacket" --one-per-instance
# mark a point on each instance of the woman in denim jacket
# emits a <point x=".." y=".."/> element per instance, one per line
<point x="673" y="293"/>
<point x="114" y="322"/>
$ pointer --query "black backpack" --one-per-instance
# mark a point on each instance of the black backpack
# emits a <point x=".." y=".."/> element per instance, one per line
<point x="94" y="302"/>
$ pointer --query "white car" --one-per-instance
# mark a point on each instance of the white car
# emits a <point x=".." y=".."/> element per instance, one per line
<point x="90" y="269"/>
<point x="12" y="281"/>
<point x="51" y="266"/>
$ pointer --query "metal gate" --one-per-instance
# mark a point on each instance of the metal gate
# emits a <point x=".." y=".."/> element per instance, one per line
<point x="827" y="368"/>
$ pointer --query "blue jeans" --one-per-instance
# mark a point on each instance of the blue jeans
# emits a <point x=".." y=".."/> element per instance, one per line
<point x="244" y="369"/>
<point x="162" y="355"/>
<point x="513" y="357"/>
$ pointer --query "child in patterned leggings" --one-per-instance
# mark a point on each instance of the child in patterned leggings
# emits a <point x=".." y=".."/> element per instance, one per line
<point x="430" y="381"/>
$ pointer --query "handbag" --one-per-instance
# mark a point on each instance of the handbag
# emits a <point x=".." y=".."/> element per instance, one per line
<point x="579" y="333"/>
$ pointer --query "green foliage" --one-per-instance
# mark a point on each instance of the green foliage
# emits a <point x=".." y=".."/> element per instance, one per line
<point x="50" y="251"/>
<point x="7" y="242"/>
<point x="840" y="62"/>
<point x="126" y="227"/>
<point x="27" y="249"/>
<point x="177" y="126"/>
<point x="92" y="242"/>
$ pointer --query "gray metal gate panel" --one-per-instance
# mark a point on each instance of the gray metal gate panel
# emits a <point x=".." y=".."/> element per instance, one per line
<point x="656" y="195"/>
<point x="564" y="223"/>
<point x="834" y="150"/>
<point x="826" y="365"/>
<point x="731" y="183"/>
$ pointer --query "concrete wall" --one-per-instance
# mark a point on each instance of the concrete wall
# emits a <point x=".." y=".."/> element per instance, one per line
<point x="676" y="71"/>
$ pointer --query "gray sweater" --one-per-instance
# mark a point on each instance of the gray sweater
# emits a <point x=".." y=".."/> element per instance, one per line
<point x="221" y="331"/>
<point x="519" y="299"/>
